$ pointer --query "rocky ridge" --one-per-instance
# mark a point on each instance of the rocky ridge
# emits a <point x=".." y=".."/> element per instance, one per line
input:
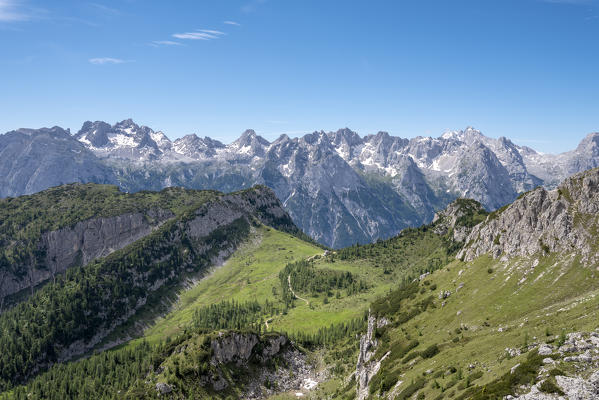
<point x="367" y="367"/>
<point x="542" y="221"/>
<point x="339" y="187"/>
<point x="81" y="244"/>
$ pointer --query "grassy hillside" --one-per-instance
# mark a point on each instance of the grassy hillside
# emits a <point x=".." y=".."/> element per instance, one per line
<point x="493" y="306"/>
<point x="250" y="274"/>
<point x="445" y="328"/>
<point x="250" y="284"/>
<point x="84" y="306"/>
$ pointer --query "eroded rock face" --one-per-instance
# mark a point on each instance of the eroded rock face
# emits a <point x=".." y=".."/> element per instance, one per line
<point x="366" y="367"/>
<point x="233" y="347"/>
<point x="82" y="243"/>
<point x="541" y="221"/>
<point x="254" y="354"/>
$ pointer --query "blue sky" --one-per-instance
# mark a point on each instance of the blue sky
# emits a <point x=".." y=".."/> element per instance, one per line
<point x="525" y="69"/>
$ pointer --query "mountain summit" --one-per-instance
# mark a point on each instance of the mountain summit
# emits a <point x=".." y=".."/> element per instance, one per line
<point x="339" y="187"/>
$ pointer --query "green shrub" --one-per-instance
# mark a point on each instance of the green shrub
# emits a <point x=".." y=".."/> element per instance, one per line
<point x="547" y="386"/>
<point x="430" y="351"/>
<point x="475" y="375"/>
<point x="388" y="382"/>
<point x="410" y="356"/>
<point x="411" y="389"/>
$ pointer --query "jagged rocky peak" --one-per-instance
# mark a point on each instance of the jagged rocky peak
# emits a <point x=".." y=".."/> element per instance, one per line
<point x="541" y="222"/>
<point x="345" y="137"/>
<point x="197" y="148"/>
<point x="468" y="135"/>
<point x="94" y="133"/>
<point x="250" y="144"/>
<point x="458" y="218"/>
<point x="345" y="142"/>
<point x="124" y="139"/>
<point x="250" y="138"/>
<point x="589" y="145"/>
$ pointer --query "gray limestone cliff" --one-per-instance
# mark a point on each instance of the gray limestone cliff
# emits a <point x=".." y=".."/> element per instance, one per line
<point x="80" y="244"/>
<point x="563" y="219"/>
<point x="367" y="367"/>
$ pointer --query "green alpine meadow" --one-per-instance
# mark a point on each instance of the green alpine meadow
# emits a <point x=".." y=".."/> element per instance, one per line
<point x="220" y="296"/>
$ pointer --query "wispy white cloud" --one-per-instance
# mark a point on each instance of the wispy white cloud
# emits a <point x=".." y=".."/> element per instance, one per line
<point x="213" y="32"/>
<point x="107" y="60"/>
<point x="105" y="9"/>
<point x="200" y="34"/>
<point x="11" y="11"/>
<point x="232" y="23"/>
<point x="166" y="43"/>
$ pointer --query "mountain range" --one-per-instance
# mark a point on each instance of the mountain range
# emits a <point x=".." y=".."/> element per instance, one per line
<point x="338" y="187"/>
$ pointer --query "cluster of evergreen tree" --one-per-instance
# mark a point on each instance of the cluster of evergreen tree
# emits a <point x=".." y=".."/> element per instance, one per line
<point x="330" y="335"/>
<point x="304" y="277"/>
<point x="233" y="315"/>
<point x="413" y="252"/>
<point x="391" y="303"/>
<point x="104" y="376"/>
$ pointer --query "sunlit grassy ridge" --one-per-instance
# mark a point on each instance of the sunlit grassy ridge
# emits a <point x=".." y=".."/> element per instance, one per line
<point x="492" y="306"/>
<point x="250" y="274"/>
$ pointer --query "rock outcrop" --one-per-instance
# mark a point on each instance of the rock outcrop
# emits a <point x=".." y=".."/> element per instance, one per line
<point x="458" y="219"/>
<point x="580" y="351"/>
<point x="252" y="357"/>
<point x="82" y="243"/>
<point x="367" y="367"/>
<point x="543" y="221"/>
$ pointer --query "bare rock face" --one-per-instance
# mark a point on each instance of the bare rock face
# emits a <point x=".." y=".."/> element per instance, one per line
<point x="34" y="160"/>
<point x="243" y="349"/>
<point x="541" y="221"/>
<point x="238" y="347"/>
<point x="366" y="367"/>
<point x="82" y="243"/>
<point x="233" y="347"/>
